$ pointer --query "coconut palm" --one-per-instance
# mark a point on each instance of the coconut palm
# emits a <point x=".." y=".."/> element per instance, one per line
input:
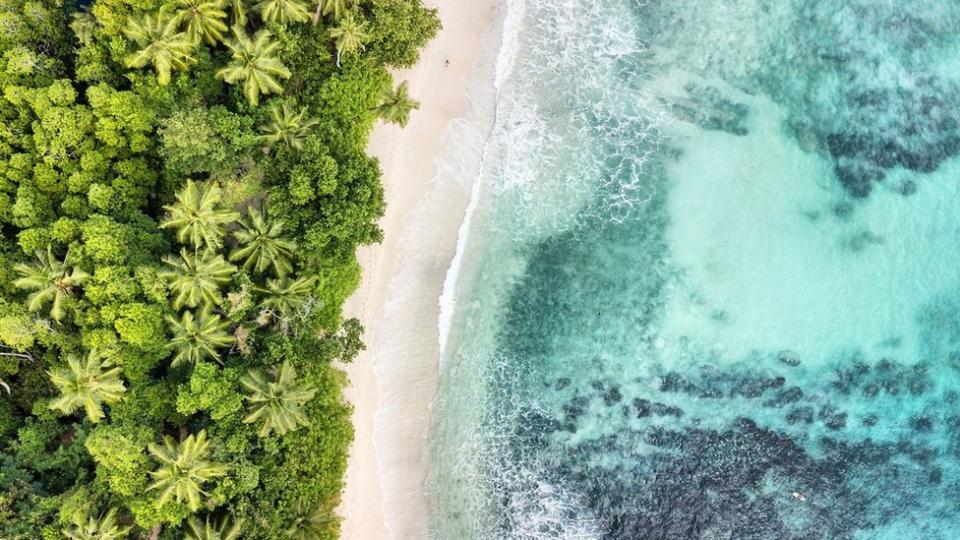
<point x="197" y="217"/>
<point x="395" y="105"/>
<point x="204" y="19"/>
<point x="312" y="522"/>
<point x="238" y="12"/>
<point x="286" y="127"/>
<point x="349" y="36"/>
<point x="162" y="44"/>
<point x="196" y="278"/>
<point x="88" y="527"/>
<point x="51" y="281"/>
<point x="337" y="8"/>
<point x="198" y="336"/>
<point x="283" y="11"/>
<point x="222" y="529"/>
<point x="83" y="25"/>
<point x="262" y="245"/>
<point x="254" y="64"/>
<point x="86" y="384"/>
<point x="184" y="469"/>
<point x="276" y="402"/>
<point x="284" y="296"/>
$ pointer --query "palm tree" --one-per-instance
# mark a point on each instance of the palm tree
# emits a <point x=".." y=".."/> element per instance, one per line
<point x="238" y="12"/>
<point x="338" y="8"/>
<point x="104" y="527"/>
<point x="204" y="19"/>
<point x="196" y="337"/>
<point x="183" y="470"/>
<point x="83" y="25"/>
<point x="283" y="11"/>
<point x="254" y="62"/>
<point x="51" y="281"/>
<point x="278" y="403"/>
<point x="196" y="278"/>
<point x="161" y="42"/>
<point x="286" y="127"/>
<point x="262" y="245"/>
<point x="349" y="36"/>
<point x="312" y="522"/>
<point x="284" y="296"/>
<point x="86" y="384"/>
<point x="395" y="105"/>
<point x="222" y="529"/>
<point x="196" y="216"/>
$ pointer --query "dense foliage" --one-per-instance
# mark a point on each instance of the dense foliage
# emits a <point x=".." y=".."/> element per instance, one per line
<point x="183" y="185"/>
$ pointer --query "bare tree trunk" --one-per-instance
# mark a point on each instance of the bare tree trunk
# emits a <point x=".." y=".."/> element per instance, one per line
<point x="316" y="14"/>
<point x="155" y="533"/>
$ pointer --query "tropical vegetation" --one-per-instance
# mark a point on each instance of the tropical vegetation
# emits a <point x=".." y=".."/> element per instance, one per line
<point x="183" y="187"/>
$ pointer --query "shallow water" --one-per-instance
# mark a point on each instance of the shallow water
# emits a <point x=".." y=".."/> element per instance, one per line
<point x="713" y="271"/>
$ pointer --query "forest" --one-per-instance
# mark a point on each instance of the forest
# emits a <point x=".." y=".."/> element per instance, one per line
<point x="183" y="186"/>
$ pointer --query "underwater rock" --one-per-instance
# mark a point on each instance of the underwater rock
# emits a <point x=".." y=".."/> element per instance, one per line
<point x="561" y="383"/>
<point x="788" y="358"/>
<point x="707" y="107"/>
<point x="850" y="377"/>
<point x="575" y="408"/>
<point x="800" y="414"/>
<point x="752" y="387"/>
<point x="645" y="407"/>
<point x="612" y="396"/>
<point x="861" y="240"/>
<point x="790" y="395"/>
<point x="674" y="382"/>
<point x="922" y="424"/>
<point x="833" y="418"/>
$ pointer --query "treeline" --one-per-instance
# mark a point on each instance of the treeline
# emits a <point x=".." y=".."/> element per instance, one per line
<point x="183" y="185"/>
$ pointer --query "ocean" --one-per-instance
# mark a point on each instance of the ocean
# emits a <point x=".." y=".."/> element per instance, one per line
<point x="708" y="287"/>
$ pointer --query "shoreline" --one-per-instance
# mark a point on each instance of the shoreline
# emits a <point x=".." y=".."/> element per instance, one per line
<point x="393" y="383"/>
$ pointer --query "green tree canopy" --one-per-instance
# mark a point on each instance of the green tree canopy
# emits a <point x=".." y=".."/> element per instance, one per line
<point x="337" y="8"/>
<point x="349" y="36"/>
<point x="52" y="282"/>
<point x="261" y="245"/>
<point x="197" y="217"/>
<point x="287" y="128"/>
<point x="284" y="298"/>
<point x="310" y="522"/>
<point x="161" y="43"/>
<point x="254" y="64"/>
<point x="86" y="384"/>
<point x="283" y="11"/>
<point x="276" y="402"/>
<point x="90" y="527"/>
<point x="202" y="19"/>
<point x="184" y="469"/>
<point x="213" y="529"/>
<point x="198" y="336"/>
<point x="395" y="105"/>
<point x="195" y="278"/>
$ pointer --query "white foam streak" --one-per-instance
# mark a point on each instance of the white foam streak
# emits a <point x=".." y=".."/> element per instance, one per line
<point x="506" y="59"/>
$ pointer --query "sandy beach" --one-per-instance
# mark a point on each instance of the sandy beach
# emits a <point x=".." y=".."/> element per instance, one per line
<point x="393" y="383"/>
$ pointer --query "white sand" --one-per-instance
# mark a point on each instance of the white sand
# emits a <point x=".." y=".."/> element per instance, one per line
<point x="394" y="381"/>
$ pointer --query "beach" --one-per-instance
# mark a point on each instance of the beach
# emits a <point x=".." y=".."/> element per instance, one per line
<point x="393" y="383"/>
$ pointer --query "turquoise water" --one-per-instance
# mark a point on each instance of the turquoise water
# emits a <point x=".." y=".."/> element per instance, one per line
<point x="711" y="290"/>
